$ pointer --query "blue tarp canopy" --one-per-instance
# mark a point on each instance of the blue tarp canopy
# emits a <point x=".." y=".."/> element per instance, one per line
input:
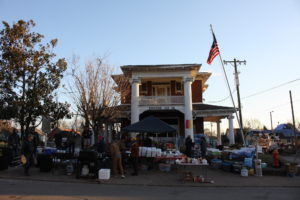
<point x="286" y="130"/>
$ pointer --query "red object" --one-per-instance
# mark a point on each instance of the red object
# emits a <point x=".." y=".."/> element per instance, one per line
<point x="156" y="159"/>
<point x="214" y="50"/>
<point x="100" y="138"/>
<point x="187" y="123"/>
<point x="275" y="155"/>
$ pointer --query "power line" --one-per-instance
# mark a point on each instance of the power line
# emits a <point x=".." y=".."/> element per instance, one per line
<point x="281" y="105"/>
<point x="218" y="101"/>
<point x="275" y="87"/>
<point x="277" y="106"/>
<point x="257" y="93"/>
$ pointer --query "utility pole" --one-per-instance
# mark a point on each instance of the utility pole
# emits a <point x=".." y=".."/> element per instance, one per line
<point x="237" y="83"/>
<point x="294" y="127"/>
<point x="271" y="120"/>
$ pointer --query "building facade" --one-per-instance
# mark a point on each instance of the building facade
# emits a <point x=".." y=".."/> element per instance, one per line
<point x="172" y="93"/>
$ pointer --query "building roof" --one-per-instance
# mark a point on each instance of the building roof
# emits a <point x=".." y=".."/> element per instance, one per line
<point x="168" y="66"/>
<point x="128" y="69"/>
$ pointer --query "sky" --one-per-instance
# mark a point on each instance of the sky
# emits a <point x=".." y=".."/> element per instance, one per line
<point x="265" y="33"/>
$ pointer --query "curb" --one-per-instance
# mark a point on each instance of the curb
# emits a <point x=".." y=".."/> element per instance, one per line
<point x="207" y="185"/>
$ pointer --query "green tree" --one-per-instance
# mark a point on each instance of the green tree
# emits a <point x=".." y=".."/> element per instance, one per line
<point x="31" y="74"/>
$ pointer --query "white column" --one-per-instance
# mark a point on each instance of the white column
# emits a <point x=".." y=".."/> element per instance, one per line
<point x="134" y="100"/>
<point x="231" y="131"/>
<point x="219" y="133"/>
<point x="188" y="108"/>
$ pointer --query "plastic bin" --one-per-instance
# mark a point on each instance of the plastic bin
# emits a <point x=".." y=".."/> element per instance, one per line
<point x="227" y="166"/>
<point x="237" y="167"/>
<point x="216" y="163"/>
<point x="45" y="162"/>
<point x="104" y="174"/>
<point x="164" y="167"/>
<point x="248" y="162"/>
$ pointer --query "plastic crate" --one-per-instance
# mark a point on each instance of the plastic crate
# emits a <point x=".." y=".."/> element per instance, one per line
<point x="227" y="166"/>
<point x="164" y="167"/>
<point x="216" y="163"/>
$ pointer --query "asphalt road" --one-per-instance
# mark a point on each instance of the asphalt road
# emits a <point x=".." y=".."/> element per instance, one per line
<point x="44" y="190"/>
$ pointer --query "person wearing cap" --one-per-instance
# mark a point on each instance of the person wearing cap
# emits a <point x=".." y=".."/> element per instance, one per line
<point x="28" y="151"/>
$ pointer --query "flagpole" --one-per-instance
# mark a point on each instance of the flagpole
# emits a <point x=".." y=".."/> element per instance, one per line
<point x="228" y="86"/>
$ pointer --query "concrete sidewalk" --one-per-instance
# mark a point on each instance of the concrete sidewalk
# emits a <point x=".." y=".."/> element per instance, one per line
<point x="158" y="178"/>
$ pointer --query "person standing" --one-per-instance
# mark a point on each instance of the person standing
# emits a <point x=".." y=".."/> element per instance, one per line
<point x="14" y="143"/>
<point x="203" y="147"/>
<point x="28" y="152"/>
<point x="134" y="155"/>
<point x="71" y="142"/>
<point x="58" y="140"/>
<point x="86" y="138"/>
<point x="116" y="159"/>
<point x="100" y="144"/>
<point x="188" y="146"/>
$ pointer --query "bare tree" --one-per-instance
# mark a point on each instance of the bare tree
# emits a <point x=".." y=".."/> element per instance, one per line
<point x="95" y="94"/>
<point x="253" y="124"/>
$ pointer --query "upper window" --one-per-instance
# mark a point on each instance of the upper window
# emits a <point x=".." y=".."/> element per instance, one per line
<point x="144" y="87"/>
<point x="178" y="86"/>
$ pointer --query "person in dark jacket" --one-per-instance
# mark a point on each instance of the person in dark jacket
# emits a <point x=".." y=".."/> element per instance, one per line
<point x="203" y="146"/>
<point x="28" y="152"/>
<point x="100" y="145"/>
<point x="86" y="138"/>
<point x="71" y="142"/>
<point x="58" y="140"/>
<point x="188" y="146"/>
<point x="14" y="142"/>
<point x="134" y="155"/>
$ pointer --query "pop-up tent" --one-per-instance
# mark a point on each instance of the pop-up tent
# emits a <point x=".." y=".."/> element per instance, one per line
<point x="150" y="125"/>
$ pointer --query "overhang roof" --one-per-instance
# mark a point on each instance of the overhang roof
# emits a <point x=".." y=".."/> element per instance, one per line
<point x="212" y="113"/>
<point x="202" y="106"/>
<point x="209" y="112"/>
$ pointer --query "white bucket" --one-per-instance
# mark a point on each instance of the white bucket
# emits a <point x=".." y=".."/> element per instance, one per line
<point x="148" y="152"/>
<point x="258" y="169"/>
<point x="140" y="151"/>
<point x="104" y="174"/>
<point x="144" y="151"/>
<point x="244" y="172"/>
<point x="158" y="152"/>
<point x="153" y="152"/>
<point x="85" y="170"/>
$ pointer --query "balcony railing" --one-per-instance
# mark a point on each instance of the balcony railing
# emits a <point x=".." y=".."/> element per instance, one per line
<point x="160" y="100"/>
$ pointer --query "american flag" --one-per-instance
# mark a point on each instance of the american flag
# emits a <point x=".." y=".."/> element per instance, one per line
<point x="214" y="51"/>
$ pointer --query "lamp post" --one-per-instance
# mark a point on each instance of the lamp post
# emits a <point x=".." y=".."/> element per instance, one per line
<point x="271" y="121"/>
